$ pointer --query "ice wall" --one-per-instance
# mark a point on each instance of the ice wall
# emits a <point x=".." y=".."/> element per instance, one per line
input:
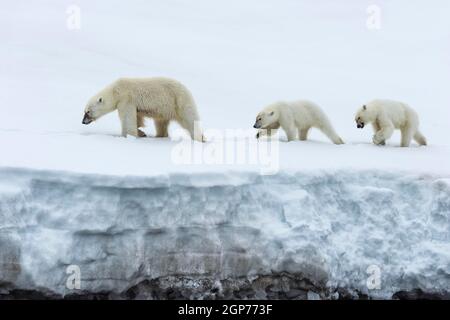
<point x="291" y="235"/>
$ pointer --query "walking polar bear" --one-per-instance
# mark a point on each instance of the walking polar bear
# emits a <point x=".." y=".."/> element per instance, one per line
<point x="295" y="118"/>
<point x="387" y="115"/>
<point x="135" y="99"/>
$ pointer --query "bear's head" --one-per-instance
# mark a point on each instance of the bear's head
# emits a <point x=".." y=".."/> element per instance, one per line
<point x="99" y="105"/>
<point x="362" y="117"/>
<point x="266" y="118"/>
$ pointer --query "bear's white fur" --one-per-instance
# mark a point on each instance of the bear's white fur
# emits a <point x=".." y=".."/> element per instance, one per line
<point x="296" y="119"/>
<point x="135" y="99"/>
<point x="387" y="115"/>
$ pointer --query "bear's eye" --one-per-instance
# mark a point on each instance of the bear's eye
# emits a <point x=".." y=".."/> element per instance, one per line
<point x="259" y="119"/>
<point x="100" y="100"/>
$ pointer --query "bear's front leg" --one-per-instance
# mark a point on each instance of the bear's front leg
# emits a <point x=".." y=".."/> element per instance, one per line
<point x="378" y="139"/>
<point x="384" y="134"/>
<point x="384" y="130"/>
<point x="265" y="132"/>
<point x="269" y="131"/>
<point x="128" y="120"/>
<point x="287" y="123"/>
<point x="291" y="133"/>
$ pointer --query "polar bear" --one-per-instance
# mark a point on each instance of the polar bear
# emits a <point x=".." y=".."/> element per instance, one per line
<point x="135" y="99"/>
<point x="387" y="115"/>
<point x="296" y="117"/>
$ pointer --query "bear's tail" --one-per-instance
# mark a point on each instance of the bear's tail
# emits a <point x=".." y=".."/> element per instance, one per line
<point x="420" y="138"/>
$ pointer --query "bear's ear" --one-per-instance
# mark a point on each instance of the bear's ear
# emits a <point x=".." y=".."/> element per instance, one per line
<point x="364" y="107"/>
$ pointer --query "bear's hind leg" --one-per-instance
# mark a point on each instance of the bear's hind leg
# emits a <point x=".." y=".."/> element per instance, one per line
<point x="161" y="128"/>
<point x="331" y="134"/>
<point x="420" y="138"/>
<point x="191" y="123"/>
<point x="303" y="134"/>
<point x="407" y="134"/>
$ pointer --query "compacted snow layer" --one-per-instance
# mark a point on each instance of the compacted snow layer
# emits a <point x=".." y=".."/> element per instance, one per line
<point x="327" y="228"/>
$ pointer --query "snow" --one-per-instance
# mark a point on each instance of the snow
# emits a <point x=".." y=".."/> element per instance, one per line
<point x="65" y="185"/>
<point x="114" y="155"/>
<point x="236" y="58"/>
<point x="329" y="227"/>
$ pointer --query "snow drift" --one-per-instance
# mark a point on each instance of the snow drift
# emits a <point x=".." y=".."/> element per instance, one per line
<point x="319" y="230"/>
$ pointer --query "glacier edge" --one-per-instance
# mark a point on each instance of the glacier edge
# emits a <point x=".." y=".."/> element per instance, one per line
<point x="210" y="233"/>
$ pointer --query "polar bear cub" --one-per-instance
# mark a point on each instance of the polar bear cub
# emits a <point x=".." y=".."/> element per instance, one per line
<point x="296" y="119"/>
<point x="386" y="116"/>
<point x="135" y="99"/>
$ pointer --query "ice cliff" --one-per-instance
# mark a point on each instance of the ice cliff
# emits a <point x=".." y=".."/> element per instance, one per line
<point x="227" y="235"/>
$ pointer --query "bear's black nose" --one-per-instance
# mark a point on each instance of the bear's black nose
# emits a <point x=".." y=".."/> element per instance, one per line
<point x="86" y="119"/>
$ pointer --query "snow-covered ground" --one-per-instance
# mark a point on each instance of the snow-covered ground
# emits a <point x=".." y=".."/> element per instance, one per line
<point x="328" y="228"/>
<point x="236" y="57"/>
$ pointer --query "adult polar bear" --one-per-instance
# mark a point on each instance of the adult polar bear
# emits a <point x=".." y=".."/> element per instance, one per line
<point x="294" y="117"/>
<point x="387" y="115"/>
<point x="135" y="99"/>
